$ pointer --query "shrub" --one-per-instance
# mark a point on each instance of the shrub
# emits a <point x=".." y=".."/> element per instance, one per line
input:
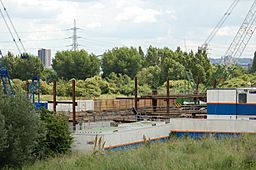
<point x="58" y="138"/>
<point x="21" y="128"/>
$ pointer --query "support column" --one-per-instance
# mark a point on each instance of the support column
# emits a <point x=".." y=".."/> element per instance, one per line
<point x="168" y="96"/>
<point x="136" y="93"/>
<point x="74" y="103"/>
<point x="54" y="96"/>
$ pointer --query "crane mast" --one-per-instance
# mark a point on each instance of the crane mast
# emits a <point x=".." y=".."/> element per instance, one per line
<point x="242" y="37"/>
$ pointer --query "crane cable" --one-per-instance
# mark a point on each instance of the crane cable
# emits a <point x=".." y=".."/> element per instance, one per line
<point x="220" y="23"/>
<point x="9" y="29"/>
<point x="13" y="26"/>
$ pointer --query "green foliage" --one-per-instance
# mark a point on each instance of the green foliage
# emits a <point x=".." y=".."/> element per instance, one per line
<point x="23" y="69"/>
<point x="45" y="88"/>
<point x="246" y="80"/>
<point x="123" y="60"/>
<point x="151" y="76"/>
<point x="178" y="154"/>
<point x="3" y="133"/>
<point x="62" y="88"/>
<point x="175" y="64"/>
<point x="177" y="87"/>
<point x="49" y="75"/>
<point x="76" y="64"/>
<point x="152" y="57"/>
<point x="253" y="68"/>
<point x="58" y="138"/>
<point x="122" y="83"/>
<point x="22" y="130"/>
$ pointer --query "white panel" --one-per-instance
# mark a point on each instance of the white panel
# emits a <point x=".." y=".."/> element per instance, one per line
<point x="251" y="98"/>
<point x="221" y="96"/>
<point x="222" y="117"/>
<point x="212" y="96"/>
<point x="227" y="96"/>
<point x="214" y="125"/>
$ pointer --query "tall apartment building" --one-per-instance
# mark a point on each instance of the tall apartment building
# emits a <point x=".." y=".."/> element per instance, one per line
<point x="45" y="57"/>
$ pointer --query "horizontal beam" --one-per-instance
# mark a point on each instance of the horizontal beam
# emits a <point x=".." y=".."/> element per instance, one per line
<point x="62" y="102"/>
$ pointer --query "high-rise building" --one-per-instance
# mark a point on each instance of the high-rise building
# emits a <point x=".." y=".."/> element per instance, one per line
<point x="45" y="57"/>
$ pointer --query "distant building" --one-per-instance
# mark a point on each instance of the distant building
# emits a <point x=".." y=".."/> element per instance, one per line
<point x="246" y="63"/>
<point x="45" y="57"/>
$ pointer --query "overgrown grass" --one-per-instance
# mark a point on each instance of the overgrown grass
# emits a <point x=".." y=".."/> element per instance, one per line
<point x="177" y="154"/>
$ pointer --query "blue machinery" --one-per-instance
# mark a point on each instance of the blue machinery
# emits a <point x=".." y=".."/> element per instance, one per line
<point x="6" y="82"/>
<point x="34" y="89"/>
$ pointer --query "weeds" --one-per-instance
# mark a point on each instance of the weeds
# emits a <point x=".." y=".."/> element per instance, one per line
<point x="207" y="153"/>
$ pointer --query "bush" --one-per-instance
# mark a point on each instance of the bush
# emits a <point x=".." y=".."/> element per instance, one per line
<point x="58" y="138"/>
<point x="3" y="133"/>
<point x="26" y="135"/>
<point x="21" y="129"/>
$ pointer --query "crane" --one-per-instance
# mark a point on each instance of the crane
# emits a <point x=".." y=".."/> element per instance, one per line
<point x="5" y="77"/>
<point x="235" y="49"/>
<point x="223" y="19"/>
<point x="242" y="37"/>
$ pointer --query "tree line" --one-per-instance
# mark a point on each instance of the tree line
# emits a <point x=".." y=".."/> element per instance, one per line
<point x="115" y="71"/>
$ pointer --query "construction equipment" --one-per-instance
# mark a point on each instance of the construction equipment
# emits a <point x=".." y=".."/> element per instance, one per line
<point x="242" y="37"/>
<point x="205" y="45"/>
<point x="35" y="85"/>
<point x="34" y="89"/>
<point x="235" y="49"/>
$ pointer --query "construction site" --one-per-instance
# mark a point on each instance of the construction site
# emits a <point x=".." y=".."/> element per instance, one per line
<point x="126" y="121"/>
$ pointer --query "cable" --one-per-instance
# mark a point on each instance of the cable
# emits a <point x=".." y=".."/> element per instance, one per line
<point x="220" y="23"/>
<point x="8" y="27"/>
<point x="13" y="27"/>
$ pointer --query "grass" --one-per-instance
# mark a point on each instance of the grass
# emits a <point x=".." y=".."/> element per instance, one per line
<point x="177" y="154"/>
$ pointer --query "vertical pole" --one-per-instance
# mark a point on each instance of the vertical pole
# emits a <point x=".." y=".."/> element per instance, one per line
<point x="39" y="89"/>
<point x="136" y="93"/>
<point x="27" y="88"/>
<point x="33" y="91"/>
<point x="74" y="103"/>
<point x="54" y="96"/>
<point x="168" y="96"/>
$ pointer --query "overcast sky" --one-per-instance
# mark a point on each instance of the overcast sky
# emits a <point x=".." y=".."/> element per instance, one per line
<point x="114" y="23"/>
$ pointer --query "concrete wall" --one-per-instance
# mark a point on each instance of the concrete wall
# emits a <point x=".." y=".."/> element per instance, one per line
<point x="82" y="106"/>
<point x="213" y="125"/>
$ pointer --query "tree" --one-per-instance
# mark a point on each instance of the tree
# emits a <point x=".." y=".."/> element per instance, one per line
<point x="76" y="64"/>
<point x="23" y="69"/>
<point x="49" y="75"/>
<point x="123" y="84"/>
<point x="123" y="60"/>
<point x="253" y="68"/>
<point x="200" y="67"/>
<point x="141" y="52"/>
<point x="150" y="76"/>
<point x="152" y="57"/>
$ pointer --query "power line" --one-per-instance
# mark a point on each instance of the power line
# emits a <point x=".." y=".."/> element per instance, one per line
<point x="15" y="31"/>
<point x="9" y="29"/>
<point x="219" y="24"/>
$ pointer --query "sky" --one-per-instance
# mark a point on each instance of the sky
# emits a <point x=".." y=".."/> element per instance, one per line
<point x="105" y="24"/>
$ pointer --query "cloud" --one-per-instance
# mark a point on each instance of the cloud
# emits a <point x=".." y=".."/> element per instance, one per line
<point x="138" y="15"/>
<point x="227" y="31"/>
